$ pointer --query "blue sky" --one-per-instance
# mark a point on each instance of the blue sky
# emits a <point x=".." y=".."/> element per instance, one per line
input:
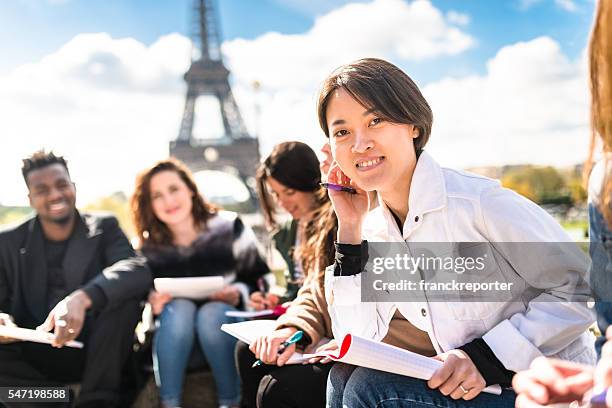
<point x="100" y="79"/>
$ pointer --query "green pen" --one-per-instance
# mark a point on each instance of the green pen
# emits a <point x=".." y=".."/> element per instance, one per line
<point x="297" y="336"/>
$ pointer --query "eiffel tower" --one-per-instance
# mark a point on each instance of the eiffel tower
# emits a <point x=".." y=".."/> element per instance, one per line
<point x="236" y="152"/>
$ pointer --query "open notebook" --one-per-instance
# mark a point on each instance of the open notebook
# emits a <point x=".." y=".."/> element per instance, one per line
<point x="250" y="330"/>
<point x="355" y="350"/>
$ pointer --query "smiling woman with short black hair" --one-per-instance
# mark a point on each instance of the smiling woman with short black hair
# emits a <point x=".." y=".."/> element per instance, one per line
<point x="378" y="123"/>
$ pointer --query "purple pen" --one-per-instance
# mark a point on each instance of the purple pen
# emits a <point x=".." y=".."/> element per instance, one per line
<point x="599" y="400"/>
<point x="337" y="187"/>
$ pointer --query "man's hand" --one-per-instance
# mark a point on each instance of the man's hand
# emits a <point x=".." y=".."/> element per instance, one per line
<point x="7" y="320"/>
<point x="158" y="301"/>
<point x="229" y="294"/>
<point x="458" y="377"/>
<point x="67" y="318"/>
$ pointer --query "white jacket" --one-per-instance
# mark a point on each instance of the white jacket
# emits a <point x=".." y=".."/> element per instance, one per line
<point x="451" y="206"/>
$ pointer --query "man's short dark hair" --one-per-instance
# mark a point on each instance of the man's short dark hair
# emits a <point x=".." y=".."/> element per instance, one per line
<point x="41" y="159"/>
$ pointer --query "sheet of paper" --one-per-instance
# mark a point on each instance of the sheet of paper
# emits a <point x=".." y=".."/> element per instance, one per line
<point x="249" y="330"/>
<point x="196" y="288"/>
<point x="36" y="336"/>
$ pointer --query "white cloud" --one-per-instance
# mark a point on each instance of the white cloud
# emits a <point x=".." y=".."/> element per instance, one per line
<point x="109" y="105"/>
<point x="99" y="61"/>
<point x="568" y="5"/>
<point x="527" y="4"/>
<point x="384" y="28"/>
<point x="530" y="107"/>
<point x="458" y="18"/>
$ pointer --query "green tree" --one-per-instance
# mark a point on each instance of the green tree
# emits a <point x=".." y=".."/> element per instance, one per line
<point x="540" y="184"/>
<point x="577" y="190"/>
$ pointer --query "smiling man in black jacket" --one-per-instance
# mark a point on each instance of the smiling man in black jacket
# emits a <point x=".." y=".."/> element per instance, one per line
<point x="73" y="274"/>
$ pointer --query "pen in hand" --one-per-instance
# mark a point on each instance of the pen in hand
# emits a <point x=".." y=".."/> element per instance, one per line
<point x="261" y="285"/>
<point x="338" y="187"/>
<point x="598" y="400"/>
<point x="297" y="336"/>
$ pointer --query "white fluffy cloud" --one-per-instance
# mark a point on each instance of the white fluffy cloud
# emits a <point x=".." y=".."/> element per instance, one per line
<point x="568" y="5"/>
<point x="392" y="29"/>
<point x="99" y="61"/>
<point x="109" y="105"/>
<point x="458" y="18"/>
<point x="530" y="107"/>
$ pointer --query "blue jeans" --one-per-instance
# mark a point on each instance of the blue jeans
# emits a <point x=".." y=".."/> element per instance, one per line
<point x="358" y="387"/>
<point x="600" y="249"/>
<point x="179" y="323"/>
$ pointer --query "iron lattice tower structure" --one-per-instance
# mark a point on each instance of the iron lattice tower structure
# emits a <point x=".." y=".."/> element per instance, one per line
<point x="207" y="75"/>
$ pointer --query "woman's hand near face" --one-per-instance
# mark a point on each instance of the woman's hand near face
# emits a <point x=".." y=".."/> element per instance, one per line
<point x="158" y="301"/>
<point x="351" y="209"/>
<point x="457" y="375"/>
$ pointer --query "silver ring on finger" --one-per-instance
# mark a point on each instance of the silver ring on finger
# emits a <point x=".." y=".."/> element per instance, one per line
<point x="71" y="331"/>
<point x="463" y="389"/>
